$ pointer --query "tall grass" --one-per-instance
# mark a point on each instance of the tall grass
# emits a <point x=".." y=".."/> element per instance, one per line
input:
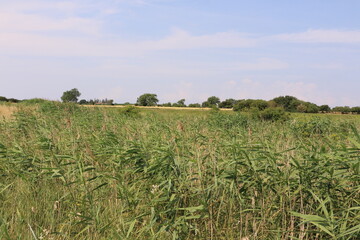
<point x="91" y="173"/>
<point x="6" y="111"/>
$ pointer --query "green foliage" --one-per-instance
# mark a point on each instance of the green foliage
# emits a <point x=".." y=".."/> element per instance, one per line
<point x="180" y="103"/>
<point x="71" y="95"/>
<point x="147" y="99"/>
<point x="211" y="102"/>
<point x="13" y="100"/>
<point x="273" y="114"/>
<point x="72" y="172"/>
<point x="169" y="104"/>
<point x="34" y="101"/>
<point x="289" y="103"/>
<point x="343" y="110"/>
<point x="250" y="104"/>
<point x="324" y="108"/>
<point x="194" y="105"/>
<point x="228" y="103"/>
<point x="130" y="111"/>
<point x="83" y="101"/>
<point x="355" y="110"/>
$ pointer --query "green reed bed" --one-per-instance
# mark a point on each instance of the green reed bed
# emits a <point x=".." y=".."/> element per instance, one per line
<point x="68" y="172"/>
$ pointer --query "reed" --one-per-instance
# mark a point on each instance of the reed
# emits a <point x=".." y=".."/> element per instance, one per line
<point x="68" y="172"/>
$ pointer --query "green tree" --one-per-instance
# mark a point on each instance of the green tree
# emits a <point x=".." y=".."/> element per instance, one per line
<point x="255" y="104"/>
<point x="181" y="103"/>
<point x="194" y="105"/>
<point x="343" y="110"/>
<point x="71" y="95"/>
<point x="228" y="103"/>
<point x="289" y="103"/>
<point x="213" y="101"/>
<point x="311" y="107"/>
<point x="147" y="99"/>
<point x="83" y="101"/>
<point x="169" y="104"/>
<point x="324" y="108"/>
<point x="355" y="110"/>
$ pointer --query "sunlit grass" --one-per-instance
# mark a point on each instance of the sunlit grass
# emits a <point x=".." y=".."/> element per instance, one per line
<point x="68" y="172"/>
<point x="6" y="111"/>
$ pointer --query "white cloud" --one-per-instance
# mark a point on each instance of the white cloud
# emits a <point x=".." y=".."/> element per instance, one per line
<point x="28" y="23"/>
<point x="40" y="44"/>
<point x="180" y="39"/>
<point x="320" y="36"/>
<point x="261" y="64"/>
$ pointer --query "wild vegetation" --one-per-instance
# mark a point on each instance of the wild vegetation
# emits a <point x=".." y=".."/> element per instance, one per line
<point x="69" y="172"/>
<point x="288" y="103"/>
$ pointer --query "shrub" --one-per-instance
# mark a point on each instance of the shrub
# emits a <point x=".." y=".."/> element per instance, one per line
<point x="194" y="105"/>
<point x="130" y="111"/>
<point x="273" y="114"/>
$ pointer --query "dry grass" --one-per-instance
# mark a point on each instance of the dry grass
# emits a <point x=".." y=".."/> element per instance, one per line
<point x="6" y="111"/>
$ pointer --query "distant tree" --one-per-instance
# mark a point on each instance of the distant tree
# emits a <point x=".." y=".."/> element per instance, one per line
<point x="169" y="104"/>
<point x="147" y="99"/>
<point x="289" y="103"/>
<point x="213" y="101"/>
<point x="13" y="100"/>
<point x="181" y="103"/>
<point x="324" y="108"/>
<point x="3" y="99"/>
<point x="311" y="107"/>
<point x="343" y="110"/>
<point x="194" y="105"/>
<point x="259" y="104"/>
<point x="355" y="110"/>
<point x="228" y="103"/>
<point x="71" y="95"/>
<point x="254" y="104"/>
<point x="205" y="104"/>
<point x="105" y="101"/>
<point x="83" y="101"/>
<point x="242" y="105"/>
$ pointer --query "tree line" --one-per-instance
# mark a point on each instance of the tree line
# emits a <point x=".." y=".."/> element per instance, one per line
<point x="287" y="103"/>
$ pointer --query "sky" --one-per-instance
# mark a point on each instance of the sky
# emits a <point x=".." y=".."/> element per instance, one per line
<point x="192" y="49"/>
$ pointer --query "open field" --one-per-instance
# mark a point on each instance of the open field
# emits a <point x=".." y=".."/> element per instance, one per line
<point x="70" y="172"/>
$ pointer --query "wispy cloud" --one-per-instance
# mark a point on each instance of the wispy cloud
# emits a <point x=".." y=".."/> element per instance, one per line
<point x="262" y="64"/>
<point x="35" y="23"/>
<point x="320" y="36"/>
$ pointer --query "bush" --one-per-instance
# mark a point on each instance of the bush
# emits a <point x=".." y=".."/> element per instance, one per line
<point x="130" y="111"/>
<point x="194" y="105"/>
<point x="34" y="101"/>
<point x="273" y="114"/>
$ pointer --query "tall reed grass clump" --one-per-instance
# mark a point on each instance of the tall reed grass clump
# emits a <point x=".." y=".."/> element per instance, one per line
<point x="68" y="172"/>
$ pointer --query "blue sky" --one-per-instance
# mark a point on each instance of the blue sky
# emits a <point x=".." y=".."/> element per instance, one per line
<point x="178" y="49"/>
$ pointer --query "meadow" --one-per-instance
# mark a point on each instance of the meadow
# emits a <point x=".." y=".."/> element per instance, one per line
<point x="71" y="172"/>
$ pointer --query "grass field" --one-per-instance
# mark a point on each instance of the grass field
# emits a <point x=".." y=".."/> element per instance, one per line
<point x="69" y="172"/>
<point x="6" y="111"/>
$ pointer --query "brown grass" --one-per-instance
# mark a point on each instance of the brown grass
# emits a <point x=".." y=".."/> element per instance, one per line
<point x="6" y="111"/>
